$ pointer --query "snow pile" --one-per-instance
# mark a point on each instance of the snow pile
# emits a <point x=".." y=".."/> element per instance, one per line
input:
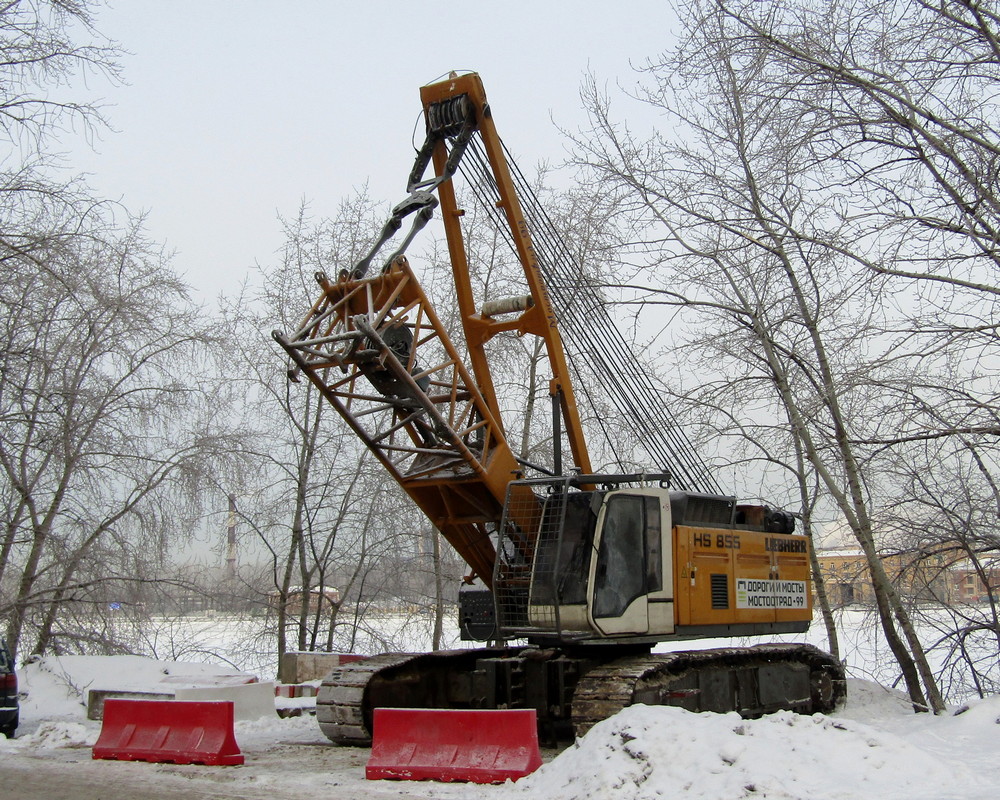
<point x="649" y="752"/>
<point x="56" y="686"/>
<point x="54" y="693"/>
<point x="54" y="733"/>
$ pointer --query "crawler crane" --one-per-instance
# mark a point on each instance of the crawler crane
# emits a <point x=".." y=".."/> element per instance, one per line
<point x="581" y="574"/>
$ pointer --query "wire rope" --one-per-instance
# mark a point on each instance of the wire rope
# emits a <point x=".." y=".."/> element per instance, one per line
<point x="594" y="337"/>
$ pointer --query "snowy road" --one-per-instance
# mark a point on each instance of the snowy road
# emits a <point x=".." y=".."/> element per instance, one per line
<point x="289" y="770"/>
<point x="55" y="780"/>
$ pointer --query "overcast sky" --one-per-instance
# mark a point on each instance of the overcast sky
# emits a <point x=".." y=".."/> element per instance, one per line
<point x="235" y="112"/>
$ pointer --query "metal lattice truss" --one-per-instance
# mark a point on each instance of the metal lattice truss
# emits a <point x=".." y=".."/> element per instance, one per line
<point x="378" y="353"/>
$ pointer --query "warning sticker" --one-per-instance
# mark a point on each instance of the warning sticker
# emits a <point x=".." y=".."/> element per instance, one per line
<point x="752" y="593"/>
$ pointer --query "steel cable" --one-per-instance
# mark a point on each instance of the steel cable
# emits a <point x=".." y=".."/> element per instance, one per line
<point x="676" y="446"/>
<point x="595" y="339"/>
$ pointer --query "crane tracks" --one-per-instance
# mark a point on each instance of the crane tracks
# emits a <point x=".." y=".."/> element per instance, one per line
<point x="340" y="707"/>
<point x="795" y="677"/>
<point x="349" y="695"/>
<point x="749" y="680"/>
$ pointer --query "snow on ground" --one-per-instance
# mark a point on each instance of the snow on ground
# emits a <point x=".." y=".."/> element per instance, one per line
<point x="56" y="688"/>
<point x="249" y="642"/>
<point x="874" y="747"/>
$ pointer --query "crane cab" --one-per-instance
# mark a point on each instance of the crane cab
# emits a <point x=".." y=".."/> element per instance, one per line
<point x="612" y="557"/>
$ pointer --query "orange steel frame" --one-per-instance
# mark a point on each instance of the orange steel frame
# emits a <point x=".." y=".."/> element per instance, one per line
<point x="445" y="446"/>
<point x="540" y="319"/>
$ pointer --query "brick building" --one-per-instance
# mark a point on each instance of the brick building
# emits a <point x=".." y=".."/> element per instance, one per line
<point x="947" y="576"/>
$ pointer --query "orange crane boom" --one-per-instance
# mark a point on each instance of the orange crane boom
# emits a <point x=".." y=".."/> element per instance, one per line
<point x="433" y="423"/>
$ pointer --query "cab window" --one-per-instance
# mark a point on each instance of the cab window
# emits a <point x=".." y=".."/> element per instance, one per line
<point x="629" y="560"/>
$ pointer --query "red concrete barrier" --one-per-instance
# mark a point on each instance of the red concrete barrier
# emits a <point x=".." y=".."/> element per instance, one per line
<point x="172" y="731"/>
<point x="444" y="745"/>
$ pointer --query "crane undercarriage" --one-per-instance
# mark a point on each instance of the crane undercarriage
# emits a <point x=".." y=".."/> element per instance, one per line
<point x="572" y="690"/>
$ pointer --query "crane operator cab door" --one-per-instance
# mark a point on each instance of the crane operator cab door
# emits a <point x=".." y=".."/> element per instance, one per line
<point x="630" y="586"/>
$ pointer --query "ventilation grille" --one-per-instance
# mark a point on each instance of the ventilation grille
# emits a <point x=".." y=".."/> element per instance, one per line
<point x="720" y="591"/>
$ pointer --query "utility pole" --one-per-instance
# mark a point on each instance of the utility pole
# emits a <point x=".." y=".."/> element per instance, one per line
<point x="231" y="544"/>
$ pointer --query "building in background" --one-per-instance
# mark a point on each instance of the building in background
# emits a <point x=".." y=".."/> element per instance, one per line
<point x="322" y="599"/>
<point x="948" y="575"/>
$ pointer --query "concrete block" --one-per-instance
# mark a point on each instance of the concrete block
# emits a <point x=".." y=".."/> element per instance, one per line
<point x="302" y="667"/>
<point x="295" y="690"/>
<point x="96" y="698"/>
<point x="250" y="700"/>
<point x="223" y="679"/>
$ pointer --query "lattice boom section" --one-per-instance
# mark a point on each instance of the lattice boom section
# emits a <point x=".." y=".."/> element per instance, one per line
<point x="378" y="353"/>
<point x="376" y="350"/>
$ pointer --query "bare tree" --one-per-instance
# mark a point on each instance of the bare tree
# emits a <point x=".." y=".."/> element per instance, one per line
<point x="39" y="40"/>
<point x="46" y="46"/>
<point x="940" y="521"/>
<point x="324" y="513"/>
<point x="757" y="234"/>
<point x="102" y="419"/>
<point x="904" y="96"/>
